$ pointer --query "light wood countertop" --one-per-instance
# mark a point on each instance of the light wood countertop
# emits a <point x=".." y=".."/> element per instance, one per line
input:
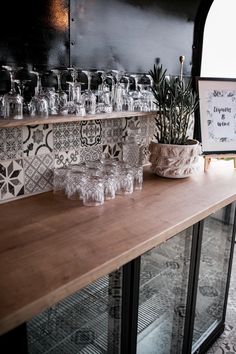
<point x="51" y="246"/>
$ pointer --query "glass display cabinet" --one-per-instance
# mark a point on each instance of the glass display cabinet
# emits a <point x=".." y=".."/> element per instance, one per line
<point x="184" y="286"/>
<point x="213" y="283"/>
<point x="163" y="295"/>
<point x="87" y="322"/>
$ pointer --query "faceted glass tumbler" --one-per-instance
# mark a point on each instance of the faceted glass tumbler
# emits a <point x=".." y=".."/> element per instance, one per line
<point x="59" y="179"/>
<point x="75" y="181"/>
<point x="125" y="181"/>
<point x="110" y="183"/>
<point x="93" y="194"/>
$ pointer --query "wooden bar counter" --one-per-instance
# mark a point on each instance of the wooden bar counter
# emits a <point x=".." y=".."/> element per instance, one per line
<point x="51" y="247"/>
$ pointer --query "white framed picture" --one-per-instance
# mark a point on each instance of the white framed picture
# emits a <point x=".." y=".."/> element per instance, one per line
<point x="217" y="107"/>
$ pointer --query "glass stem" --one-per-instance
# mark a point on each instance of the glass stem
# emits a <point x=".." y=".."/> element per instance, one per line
<point x="58" y="82"/>
<point x="89" y="82"/>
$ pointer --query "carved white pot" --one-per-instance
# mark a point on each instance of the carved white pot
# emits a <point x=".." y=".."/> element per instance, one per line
<point x="174" y="161"/>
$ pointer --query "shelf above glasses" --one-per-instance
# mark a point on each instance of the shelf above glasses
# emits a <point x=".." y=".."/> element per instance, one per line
<point x="9" y="123"/>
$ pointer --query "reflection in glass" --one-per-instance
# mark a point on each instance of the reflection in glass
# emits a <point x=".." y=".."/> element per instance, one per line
<point x="214" y="263"/>
<point x="88" y="321"/>
<point x="163" y="295"/>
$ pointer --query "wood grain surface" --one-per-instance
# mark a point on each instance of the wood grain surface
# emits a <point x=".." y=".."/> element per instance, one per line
<point x="8" y="123"/>
<point x="51" y="247"/>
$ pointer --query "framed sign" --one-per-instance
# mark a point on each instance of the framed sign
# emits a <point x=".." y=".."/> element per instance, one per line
<point x="217" y="108"/>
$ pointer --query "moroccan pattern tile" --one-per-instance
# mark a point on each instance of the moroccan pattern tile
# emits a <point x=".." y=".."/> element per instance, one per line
<point x="112" y="151"/>
<point x="11" y="179"/>
<point x="64" y="158"/>
<point x="91" y="132"/>
<point x="90" y="153"/>
<point x="112" y="131"/>
<point x="66" y="136"/>
<point x="11" y="143"/>
<point x="38" y="173"/>
<point x="37" y="139"/>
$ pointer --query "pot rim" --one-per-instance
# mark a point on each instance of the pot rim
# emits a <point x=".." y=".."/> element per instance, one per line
<point x="192" y="142"/>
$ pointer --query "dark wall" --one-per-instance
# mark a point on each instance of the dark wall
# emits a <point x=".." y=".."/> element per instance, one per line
<point x="130" y="35"/>
<point x="34" y="33"/>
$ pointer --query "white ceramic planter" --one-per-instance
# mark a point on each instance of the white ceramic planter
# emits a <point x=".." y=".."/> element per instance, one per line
<point x="174" y="161"/>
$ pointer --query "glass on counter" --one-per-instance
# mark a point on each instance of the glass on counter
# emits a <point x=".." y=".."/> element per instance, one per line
<point x="94" y="182"/>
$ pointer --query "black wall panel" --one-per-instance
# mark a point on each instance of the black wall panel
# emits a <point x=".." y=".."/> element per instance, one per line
<point x="132" y="35"/>
<point x="34" y="32"/>
<point x="129" y="35"/>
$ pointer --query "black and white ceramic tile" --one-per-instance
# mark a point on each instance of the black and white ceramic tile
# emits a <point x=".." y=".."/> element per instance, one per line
<point x="63" y="144"/>
<point x="37" y="139"/>
<point x="65" y="158"/>
<point x="66" y="136"/>
<point x="91" y="133"/>
<point x="11" y="143"/>
<point x="91" y="153"/>
<point x="112" y="150"/>
<point x="11" y="179"/>
<point x="38" y="173"/>
<point x="112" y="131"/>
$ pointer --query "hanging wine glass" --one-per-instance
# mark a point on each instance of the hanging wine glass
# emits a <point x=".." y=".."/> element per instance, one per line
<point x="13" y="101"/>
<point x="128" y="101"/>
<point x="22" y="85"/>
<point x="151" y="98"/>
<point x="104" y="102"/>
<point x="118" y="92"/>
<point x="74" y="104"/>
<point x="61" y="95"/>
<point x="88" y="97"/>
<point x="137" y="96"/>
<point x="39" y="103"/>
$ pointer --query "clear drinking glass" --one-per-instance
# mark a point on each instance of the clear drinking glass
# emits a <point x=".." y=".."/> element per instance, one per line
<point x="75" y="183"/>
<point x="75" y="104"/>
<point x="104" y="103"/>
<point x="118" y="92"/>
<point x="88" y="97"/>
<point x="93" y="191"/>
<point x="110" y="185"/>
<point x="138" y="177"/>
<point x="125" y="182"/>
<point x="39" y="103"/>
<point x="128" y="101"/>
<point x="61" y="95"/>
<point x="53" y="100"/>
<point x="137" y="96"/>
<point x="13" y="101"/>
<point x="59" y="179"/>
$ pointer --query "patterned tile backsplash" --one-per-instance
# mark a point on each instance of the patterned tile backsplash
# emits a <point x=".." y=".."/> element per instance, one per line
<point x="28" y="154"/>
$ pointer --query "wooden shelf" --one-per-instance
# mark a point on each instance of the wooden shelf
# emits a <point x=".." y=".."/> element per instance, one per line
<point x="8" y="123"/>
<point x="51" y="246"/>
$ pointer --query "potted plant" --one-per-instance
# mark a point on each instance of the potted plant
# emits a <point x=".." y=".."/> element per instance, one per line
<point x="173" y="154"/>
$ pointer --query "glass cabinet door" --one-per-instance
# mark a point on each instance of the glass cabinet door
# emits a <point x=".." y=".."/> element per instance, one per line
<point x="87" y="322"/>
<point x="213" y="274"/>
<point x="164" y="277"/>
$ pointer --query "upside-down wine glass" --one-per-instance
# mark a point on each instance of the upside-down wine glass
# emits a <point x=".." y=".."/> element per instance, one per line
<point x="13" y="101"/>
<point x="61" y="95"/>
<point x="39" y="103"/>
<point x="88" y="97"/>
<point x="118" y="92"/>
